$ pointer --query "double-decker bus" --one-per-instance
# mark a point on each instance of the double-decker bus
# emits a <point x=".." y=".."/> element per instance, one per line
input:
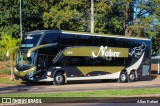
<point x="61" y="56"/>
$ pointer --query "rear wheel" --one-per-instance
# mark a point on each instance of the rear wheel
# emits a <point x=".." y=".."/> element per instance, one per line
<point x="123" y="77"/>
<point x="59" y="79"/>
<point x="132" y="77"/>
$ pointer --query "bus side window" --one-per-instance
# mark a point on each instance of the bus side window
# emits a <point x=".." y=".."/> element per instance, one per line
<point x="51" y="38"/>
<point x="84" y="40"/>
<point x="74" y="61"/>
<point x="69" y="40"/>
<point x="100" y="41"/>
<point x="86" y="61"/>
<point x="114" y="42"/>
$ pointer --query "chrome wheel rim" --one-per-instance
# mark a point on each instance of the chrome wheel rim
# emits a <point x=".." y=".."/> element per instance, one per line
<point x="132" y="76"/>
<point x="59" y="79"/>
<point x="123" y="77"/>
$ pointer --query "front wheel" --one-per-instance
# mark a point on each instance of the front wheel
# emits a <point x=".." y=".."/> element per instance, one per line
<point x="123" y="77"/>
<point x="59" y="79"/>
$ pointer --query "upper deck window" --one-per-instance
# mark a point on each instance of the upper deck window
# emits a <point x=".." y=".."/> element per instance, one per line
<point x="69" y="39"/>
<point x="51" y="38"/>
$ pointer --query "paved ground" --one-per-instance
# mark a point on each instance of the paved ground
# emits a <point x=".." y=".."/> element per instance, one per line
<point x="88" y="104"/>
<point x="148" y="82"/>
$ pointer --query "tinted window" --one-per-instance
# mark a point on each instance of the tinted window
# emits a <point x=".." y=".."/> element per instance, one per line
<point x="99" y="61"/>
<point x="114" y="42"/>
<point x="62" y="61"/>
<point x="51" y="38"/>
<point x="74" y="61"/>
<point x="69" y="39"/>
<point x="99" y="41"/>
<point x="130" y="43"/>
<point x="41" y="61"/>
<point x="84" y="40"/>
<point x="86" y="61"/>
<point x="52" y="50"/>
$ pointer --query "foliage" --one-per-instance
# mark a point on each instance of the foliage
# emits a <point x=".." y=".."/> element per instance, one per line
<point x="9" y="81"/>
<point x="31" y="16"/>
<point x="127" y="17"/>
<point x="145" y="21"/>
<point x="64" y="14"/>
<point x="7" y="43"/>
<point x="5" y="72"/>
<point x="112" y="17"/>
<point x="75" y="15"/>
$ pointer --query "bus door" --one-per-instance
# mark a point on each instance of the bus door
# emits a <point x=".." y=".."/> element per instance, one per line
<point x="41" y="64"/>
<point x="49" y="61"/>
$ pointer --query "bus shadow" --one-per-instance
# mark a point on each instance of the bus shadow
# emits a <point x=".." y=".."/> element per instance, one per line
<point x="36" y="83"/>
<point x="92" y="81"/>
<point x="21" y="88"/>
<point x="69" y="82"/>
<point x="14" y="89"/>
<point x="148" y="78"/>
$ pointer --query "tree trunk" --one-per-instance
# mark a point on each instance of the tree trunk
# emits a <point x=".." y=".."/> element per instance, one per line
<point x="127" y="16"/>
<point x="12" y="76"/>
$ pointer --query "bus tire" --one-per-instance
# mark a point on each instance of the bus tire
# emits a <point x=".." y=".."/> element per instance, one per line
<point x="59" y="79"/>
<point x="132" y="77"/>
<point x="123" y="77"/>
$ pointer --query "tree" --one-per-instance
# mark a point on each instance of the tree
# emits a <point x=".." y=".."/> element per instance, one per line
<point x="145" y="18"/>
<point x="65" y="14"/>
<point x="10" y="45"/>
<point x="31" y="15"/>
<point x="110" y="17"/>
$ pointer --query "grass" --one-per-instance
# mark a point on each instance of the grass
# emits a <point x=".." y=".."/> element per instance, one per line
<point x="5" y="72"/>
<point x="8" y="81"/>
<point x="96" y="93"/>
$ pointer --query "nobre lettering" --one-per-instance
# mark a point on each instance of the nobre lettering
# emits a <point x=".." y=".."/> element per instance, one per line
<point x="104" y="51"/>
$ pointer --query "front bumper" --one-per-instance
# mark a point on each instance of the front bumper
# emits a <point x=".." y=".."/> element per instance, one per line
<point x="23" y="73"/>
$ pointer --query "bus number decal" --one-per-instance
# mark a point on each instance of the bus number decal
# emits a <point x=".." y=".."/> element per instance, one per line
<point x="69" y="52"/>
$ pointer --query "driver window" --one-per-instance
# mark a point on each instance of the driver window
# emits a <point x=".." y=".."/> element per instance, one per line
<point x="41" y="61"/>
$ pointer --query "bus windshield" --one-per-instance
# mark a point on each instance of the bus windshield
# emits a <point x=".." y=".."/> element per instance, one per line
<point x="24" y="61"/>
<point x="30" y="41"/>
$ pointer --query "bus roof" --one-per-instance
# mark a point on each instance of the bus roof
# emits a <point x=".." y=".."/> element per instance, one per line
<point x="42" y="32"/>
<point x="84" y="33"/>
<point x="104" y="35"/>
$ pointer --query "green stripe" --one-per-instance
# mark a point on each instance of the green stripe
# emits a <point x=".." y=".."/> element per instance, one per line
<point x="87" y="51"/>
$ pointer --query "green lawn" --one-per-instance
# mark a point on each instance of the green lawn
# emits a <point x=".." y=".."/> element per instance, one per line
<point x="96" y="93"/>
<point x="8" y="81"/>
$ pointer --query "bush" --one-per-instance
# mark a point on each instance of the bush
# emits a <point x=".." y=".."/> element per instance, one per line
<point x="5" y="72"/>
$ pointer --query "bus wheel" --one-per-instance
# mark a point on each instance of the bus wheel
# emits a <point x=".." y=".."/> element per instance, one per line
<point x="132" y="77"/>
<point x="59" y="79"/>
<point x="123" y="77"/>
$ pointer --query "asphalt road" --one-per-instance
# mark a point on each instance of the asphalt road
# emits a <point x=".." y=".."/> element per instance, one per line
<point x="148" y="82"/>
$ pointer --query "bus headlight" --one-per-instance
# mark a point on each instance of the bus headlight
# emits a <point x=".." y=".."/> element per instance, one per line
<point x="49" y="74"/>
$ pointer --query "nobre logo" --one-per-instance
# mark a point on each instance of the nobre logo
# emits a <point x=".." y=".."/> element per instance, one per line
<point x="6" y="100"/>
<point x="29" y="37"/>
<point x="107" y="53"/>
